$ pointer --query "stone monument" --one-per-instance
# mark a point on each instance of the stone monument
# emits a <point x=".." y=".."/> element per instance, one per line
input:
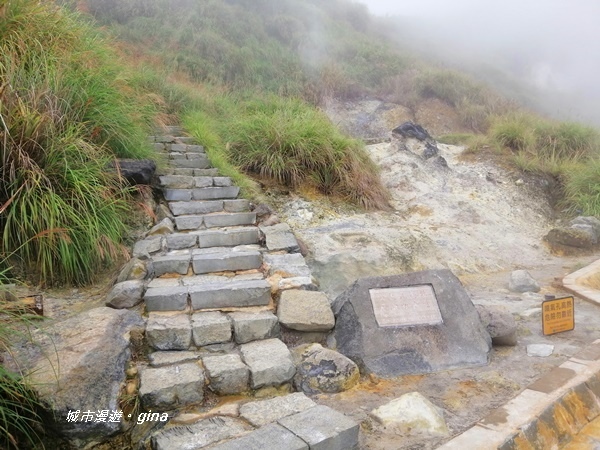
<point x="412" y="323"/>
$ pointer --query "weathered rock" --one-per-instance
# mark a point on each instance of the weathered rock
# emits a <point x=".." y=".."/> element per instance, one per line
<point x="580" y="237"/>
<point x="164" y="388"/>
<point x="522" y="281"/>
<point x="251" y="326"/>
<point x="412" y="414"/>
<point x="499" y="323"/>
<point x="166" y="358"/>
<point x="270" y="362"/>
<point x="137" y="171"/>
<point x="411" y="130"/>
<point x="305" y="311"/>
<point x="227" y="374"/>
<point x="165" y="226"/>
<point x="587" y="220"/>
<point x="323" y="428"/>
<point x="452" y="335"/>
<point x="146" y="247"/>
<point x="135" y="269"/>
<point x="86" y="353"/>
<point x="263" y="412"/>
<point x="126" y="294"/>
<point x="321" y="370"/>
<point x="169" y="331"/>
<point x="430" y="151"/>
<point x="287" y="265"/>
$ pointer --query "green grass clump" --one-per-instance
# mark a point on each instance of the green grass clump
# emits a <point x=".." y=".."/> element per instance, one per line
<point x="66" y="110"/>
<point x="582" y="187"/>
<point x="288" y="141"/>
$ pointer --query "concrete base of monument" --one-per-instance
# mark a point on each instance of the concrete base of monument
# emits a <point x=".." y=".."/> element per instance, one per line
<point x="413" y="323"/>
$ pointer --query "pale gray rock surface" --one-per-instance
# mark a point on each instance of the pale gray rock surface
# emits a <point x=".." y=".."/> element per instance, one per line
<point x="270" y="362"/>
<point x="305" y="311"/>
<point x="169" y="331"/>
<point x="522" y="281"/>
<point x="126" y="294"/>
<point x="263" y="412"/>
<point x="499" y="323"/>
<point x="165" y="388"/>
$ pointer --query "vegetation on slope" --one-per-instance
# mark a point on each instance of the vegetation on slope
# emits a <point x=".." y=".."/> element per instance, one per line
<point x="66" y="110"/>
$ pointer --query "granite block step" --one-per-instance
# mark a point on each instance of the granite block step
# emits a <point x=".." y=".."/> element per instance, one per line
<point x="200" y="163"/>
<point x="226" y="261"/>
<point x="195" y="222"/>
<point x="236" y="294"/>
<point x="195" y="207"/>
<point x="213" y="193"/>
<point x="228" y="238"/>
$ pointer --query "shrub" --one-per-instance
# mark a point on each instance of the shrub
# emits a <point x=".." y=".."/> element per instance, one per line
<point x="582" y="187"/>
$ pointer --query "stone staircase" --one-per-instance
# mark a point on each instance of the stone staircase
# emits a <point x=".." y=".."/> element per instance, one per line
<point x="221" y="291"/>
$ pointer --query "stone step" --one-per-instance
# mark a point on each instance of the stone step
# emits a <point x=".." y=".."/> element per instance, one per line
<point x="233" y="294"/>
<point x="237" y="294"/>
<point x="228" y="237"/>
<point x="205" y="193"/>
<point x="226" y="261"/>
<point x="196" y="207"/>
<point x="191" y="182"/>
<point x="188" y="162"/>
<point x="192" y="222"/>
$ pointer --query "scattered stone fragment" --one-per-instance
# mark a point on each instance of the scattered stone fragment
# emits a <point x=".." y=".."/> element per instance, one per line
<point x="227" y="374"/>
<point x="210" y="328"/>
<point x="169" y="331"/>
<point x="323" y="428"/>
<point x="165" y="226"/>
<point x="126" y="294"/>
<point x="500" y="323"/>
<point x="270" y="362"/>
<point x="305" y="311"/>
<point x="321" y="370"/>
<point x="252" y="326"/>
<point x="522" y="281"/>
<point x="540" y="350"/>
<point x="262" y="412"/>
<point x="412" y="414"/>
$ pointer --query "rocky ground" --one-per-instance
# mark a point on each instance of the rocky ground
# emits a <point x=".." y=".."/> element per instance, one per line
<point x="463" y="212"/>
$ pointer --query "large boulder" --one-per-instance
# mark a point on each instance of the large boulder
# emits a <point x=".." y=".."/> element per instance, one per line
<point x="78" y="367"/>
<point x="320" y="370"/>
<point x="500" y="323"/>
<point x="413" y="323"/>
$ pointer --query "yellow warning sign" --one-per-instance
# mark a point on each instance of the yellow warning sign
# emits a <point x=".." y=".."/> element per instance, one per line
<point x="558" y="315"/>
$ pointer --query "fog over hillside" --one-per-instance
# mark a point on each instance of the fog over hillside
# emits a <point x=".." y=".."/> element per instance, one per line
<point x="549" y="48"/>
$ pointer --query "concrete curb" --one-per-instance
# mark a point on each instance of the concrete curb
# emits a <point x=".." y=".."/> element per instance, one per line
<point x="573" y="283"/>
<point x="548" y="414"/>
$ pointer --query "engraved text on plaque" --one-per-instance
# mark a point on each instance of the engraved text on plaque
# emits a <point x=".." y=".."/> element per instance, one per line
<point x="403" y="306"/>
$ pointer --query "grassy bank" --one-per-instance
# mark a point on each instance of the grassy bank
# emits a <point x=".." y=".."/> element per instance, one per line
<point x="66" y="110"/>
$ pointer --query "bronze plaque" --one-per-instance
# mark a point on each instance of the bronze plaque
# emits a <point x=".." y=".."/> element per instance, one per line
<point x="404" y="306"/>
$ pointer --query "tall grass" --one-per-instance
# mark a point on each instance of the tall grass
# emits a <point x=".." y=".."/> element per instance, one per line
<point x="288" y="141"/>
<point x="66" y="109"/>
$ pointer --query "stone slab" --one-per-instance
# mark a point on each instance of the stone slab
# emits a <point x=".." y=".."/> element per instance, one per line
<point x="212" y="193"/>
<point x="166" y="298"/>
<point x="228" y="238"/>
<point x="181" y="241"/>
<point x="195" y="207"/>
<point x="178" y="195"/>
<point x="461" y="340"/>
<point x="305" y="311"/>
<point x="222" y="181"/>
<point x="238" y="205"/>
<point x="263" y="412"/>
<point x="200" y="434"/>
<point x="234" y="294"/>
<point x="227" y="374"/>
<point x="177" y="182"/>
<point x="169" y="331"/>
<point x="171" y="264"/>
<point x="202" y="182"/>
<point x="210" y="328"/>
<point x="251" y="326"/>
<point x="229" y="261"/>
<point x="210" y="172"/>
<point x="164" y="388"/>
<point x="270" y="362"/>
<point x="288" y="265"/>
<point x="323" y="428"/>
<point x="271" y="437"/>
<point x="409" y="305"/>
<point x="145" y="247"/>
<point x="229" y="220"/>
<point x="162" y="358"/>
<point x="280" y="237"/>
